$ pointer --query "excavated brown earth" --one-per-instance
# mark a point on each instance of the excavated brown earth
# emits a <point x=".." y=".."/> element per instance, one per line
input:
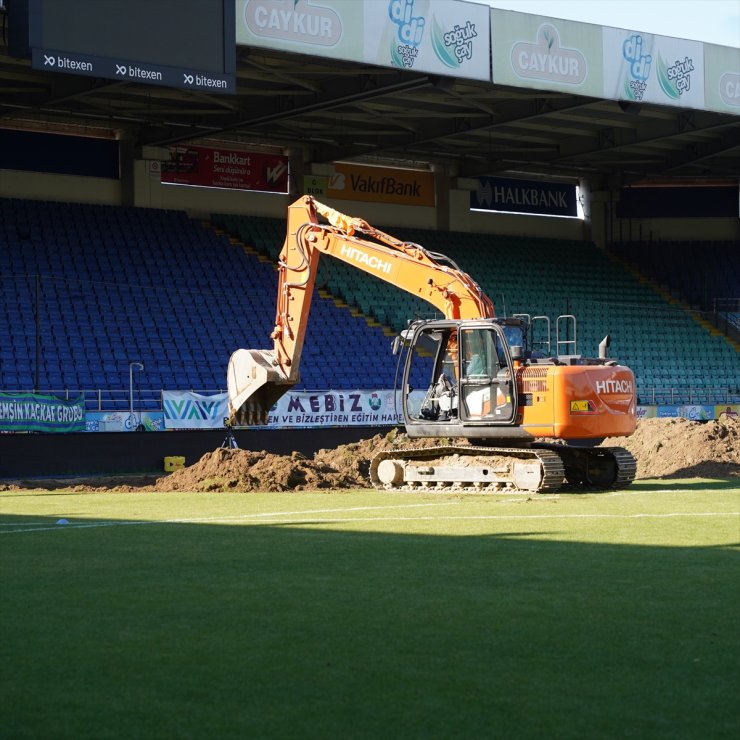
<point x="664" y="448"/>
<point x="677" y="448"/>
<point x="346" y="466"/>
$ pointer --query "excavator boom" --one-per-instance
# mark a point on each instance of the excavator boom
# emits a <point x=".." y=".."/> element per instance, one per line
<point x="257" y="378"/>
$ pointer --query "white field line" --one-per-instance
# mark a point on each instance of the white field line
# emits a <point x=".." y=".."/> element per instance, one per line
<point x="199" y="520"/>
<point x="509" y="516"/>
<point x="263" y="518"/>
<point x="22" y="524"/>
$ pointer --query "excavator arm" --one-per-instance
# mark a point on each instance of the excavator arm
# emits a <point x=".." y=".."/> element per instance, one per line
<point x="258" y="378"/>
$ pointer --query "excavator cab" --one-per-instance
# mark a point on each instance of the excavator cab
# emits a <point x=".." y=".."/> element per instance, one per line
<point x="459" y="377"/>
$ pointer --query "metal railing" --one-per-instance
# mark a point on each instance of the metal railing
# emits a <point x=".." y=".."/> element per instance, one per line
<point x="672" y="396"/>
<point x="100" y="399"/>
<point x="105" y="399"/>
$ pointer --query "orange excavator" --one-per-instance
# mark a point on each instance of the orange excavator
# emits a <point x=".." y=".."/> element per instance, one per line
<point x="532" y="419"/>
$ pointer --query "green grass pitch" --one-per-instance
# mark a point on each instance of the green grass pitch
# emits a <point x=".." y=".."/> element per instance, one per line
<point x="368" y="614"/>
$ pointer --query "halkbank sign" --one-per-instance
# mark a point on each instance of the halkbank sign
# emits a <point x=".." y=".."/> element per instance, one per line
<point x="524" y="196"/>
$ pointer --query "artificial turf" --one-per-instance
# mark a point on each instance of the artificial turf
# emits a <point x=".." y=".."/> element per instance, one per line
<point x="364" y="614"/>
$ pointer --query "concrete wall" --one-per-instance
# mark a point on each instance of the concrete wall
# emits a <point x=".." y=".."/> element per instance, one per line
<point x="682" y="229"/>
<point x="67" y="188"/>
<point x="144" y="189"/>
<point x="35" y="455"/>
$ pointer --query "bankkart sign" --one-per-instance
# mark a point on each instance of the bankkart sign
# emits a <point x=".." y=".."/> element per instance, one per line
<point x="226" y="168"/>
<point x="524" y="196"/>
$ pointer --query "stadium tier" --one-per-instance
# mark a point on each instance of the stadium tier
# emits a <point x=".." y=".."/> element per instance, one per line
<point x="704" y="274"/>
<point x="88" y="290"/>
<point x="114" y="286"/>
<point x="676" y="358"/>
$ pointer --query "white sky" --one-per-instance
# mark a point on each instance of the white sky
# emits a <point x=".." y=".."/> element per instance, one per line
<point x="712" y="21"/>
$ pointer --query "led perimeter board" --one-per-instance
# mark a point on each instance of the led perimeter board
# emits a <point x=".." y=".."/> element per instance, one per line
<point x="188" y="44"/>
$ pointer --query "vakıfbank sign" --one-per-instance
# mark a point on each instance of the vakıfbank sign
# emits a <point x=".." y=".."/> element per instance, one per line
<point x="374" y="185"/>
<point x="434" y="36"/>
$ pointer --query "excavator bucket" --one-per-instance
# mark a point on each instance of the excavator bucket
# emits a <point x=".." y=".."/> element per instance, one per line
<point x="255" y="382"/>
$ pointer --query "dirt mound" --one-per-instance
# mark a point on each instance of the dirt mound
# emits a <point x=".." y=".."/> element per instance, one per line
<point x="664" y="448"/>
<point x="346" y="466"/>
<point x="678" y="448"/>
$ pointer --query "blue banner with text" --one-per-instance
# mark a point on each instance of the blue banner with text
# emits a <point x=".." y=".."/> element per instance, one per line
<point x="35" y="412"/>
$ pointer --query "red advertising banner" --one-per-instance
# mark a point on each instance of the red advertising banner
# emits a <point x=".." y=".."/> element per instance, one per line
<point x="226" y="168"/>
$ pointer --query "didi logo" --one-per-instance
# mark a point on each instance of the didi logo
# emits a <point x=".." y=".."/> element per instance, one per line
<point x="410" y="27"/>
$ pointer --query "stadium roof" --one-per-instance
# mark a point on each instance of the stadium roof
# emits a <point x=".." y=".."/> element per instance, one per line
<point x="386" y="116"/>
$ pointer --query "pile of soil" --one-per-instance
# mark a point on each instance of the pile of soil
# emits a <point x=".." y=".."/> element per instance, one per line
<point x="678" y="448"/>
<point x="346" y="466"/>
<point x="664" y="448"/>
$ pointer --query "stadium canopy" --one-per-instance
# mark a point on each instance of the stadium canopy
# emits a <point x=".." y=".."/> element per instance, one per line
<point x="330" y="110"/>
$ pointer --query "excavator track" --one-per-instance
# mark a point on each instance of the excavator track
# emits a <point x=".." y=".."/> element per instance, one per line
<point x="626" y="466"/>
<point x="468" y="469"/>
<point x="600" y="467"/>
<point x="541" y="468"/>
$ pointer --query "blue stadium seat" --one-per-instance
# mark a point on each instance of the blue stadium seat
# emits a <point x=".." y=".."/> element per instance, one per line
<point x="107" y="300"/>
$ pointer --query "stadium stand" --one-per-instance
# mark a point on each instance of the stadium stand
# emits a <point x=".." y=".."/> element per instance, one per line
<point x="703" y="274"/>
<point x="120" y="285"/>
<point x="111" y="286"/>
<point x="676" y="358"/>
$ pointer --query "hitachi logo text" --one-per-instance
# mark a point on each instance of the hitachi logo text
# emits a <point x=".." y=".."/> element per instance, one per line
<point x="614" y="386"/>
<point x="357" y="255"/>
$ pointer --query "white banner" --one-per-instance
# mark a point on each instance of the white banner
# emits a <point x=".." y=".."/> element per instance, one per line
<point x="296" y="409"/>
<point x="653" y="69"/>
<point x="334" y="409"/>
<point x="188" y="410"/>
<point x="324" y="28"/>
<point x="445" y="37"/>
<point x="546" y="53"/>
<point x="722" y="78"/>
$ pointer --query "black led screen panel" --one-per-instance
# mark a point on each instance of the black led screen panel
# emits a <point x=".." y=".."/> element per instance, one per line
<point x="180" y="43"/>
